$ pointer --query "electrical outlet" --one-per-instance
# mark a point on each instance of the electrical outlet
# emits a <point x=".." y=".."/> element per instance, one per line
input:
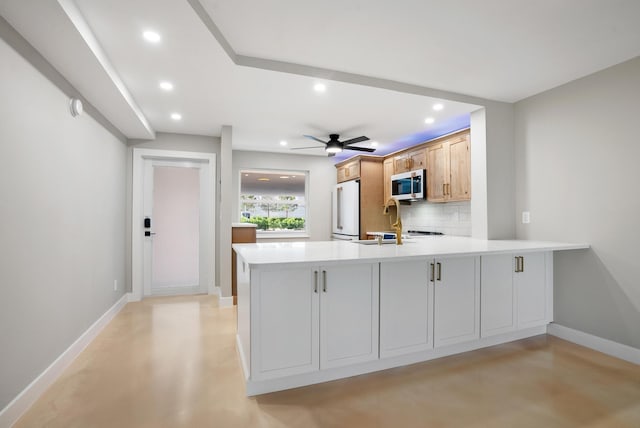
<point x="115" y="285"/>
<point x="526" y="217"/>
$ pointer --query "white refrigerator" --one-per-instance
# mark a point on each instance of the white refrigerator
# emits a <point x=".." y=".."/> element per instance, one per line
<point x="346" y="211"/>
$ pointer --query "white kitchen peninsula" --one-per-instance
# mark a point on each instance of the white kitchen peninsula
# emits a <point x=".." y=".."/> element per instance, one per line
<point x="310" y="312"/>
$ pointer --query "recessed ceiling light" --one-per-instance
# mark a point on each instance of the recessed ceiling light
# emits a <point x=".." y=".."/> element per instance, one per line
<point x="438" y="107"/>
<point x="167" y="86"/>
<point x="283" y="143"/>
<point x="151" y="36"/>
<point x="320" y="87"/>
<point x="264" y="179"/>
<point x="176" y="116"/>
<point x="246" y="175"/>
<point x="429" y="120"/>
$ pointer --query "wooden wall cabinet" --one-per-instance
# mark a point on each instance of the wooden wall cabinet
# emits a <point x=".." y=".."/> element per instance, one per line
<point x="449" y="169"/>
<point x="369" y="170"/>
<point x="447" y="161"/>
<point x="349" y="171"/>
<point x="410" y="161"/>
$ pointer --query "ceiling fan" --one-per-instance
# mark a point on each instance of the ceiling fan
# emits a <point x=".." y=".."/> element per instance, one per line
<point x="334" y="145"/>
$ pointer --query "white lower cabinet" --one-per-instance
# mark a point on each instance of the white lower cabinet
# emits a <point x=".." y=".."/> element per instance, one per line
<point x="348" y="314"/>
<point x="406" y="307"/>
<point x="284" y="323"/>
<point x="456" y="300"/>
<point x="497" y="295"/>
<point x="515" y="292"/>
<point x="311" y="318"/>
<point x="532" y="290"/>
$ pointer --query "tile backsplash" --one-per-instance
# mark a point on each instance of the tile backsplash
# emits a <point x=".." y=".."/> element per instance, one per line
<point x="452" y="218"/>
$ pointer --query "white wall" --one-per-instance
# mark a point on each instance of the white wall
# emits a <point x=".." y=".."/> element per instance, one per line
<point x="62" y="222"/>
<point x="180" y="142"/>
<point x="322" y="178"/>
<point x="500" y="171"/>
<point x="226" y="206"/>
<point x="577" y="169"/>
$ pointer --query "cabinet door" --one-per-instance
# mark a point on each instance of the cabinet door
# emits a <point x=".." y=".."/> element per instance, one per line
<point x="387" y="173"/>
<point x="418" y="159"/>
<point x="531" y="291"/>
<point x="459" y="187"/>
<point x="342" y="174"/>
<point x="401" y="164"/>
<point x="284" y="306"/>
<point x="437" y="172"/>
<point x="497" y="297"/>
<point x="406" y="308"/>
<point x="456" y="300"/>
<point x="348" y="314"/>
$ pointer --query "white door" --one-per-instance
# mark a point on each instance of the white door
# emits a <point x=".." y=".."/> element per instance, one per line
<point x="284" y="304"/>
<point x="406" y="307"/>
<point x="531" y="290"/>
<point x="456" y="300"/>
<point x="348" y="314"/>
<point x="174" y="214"/>
<point x="497" y="297"/>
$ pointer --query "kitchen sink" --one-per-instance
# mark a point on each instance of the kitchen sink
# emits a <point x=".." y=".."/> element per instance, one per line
<point x="375" y="241"/>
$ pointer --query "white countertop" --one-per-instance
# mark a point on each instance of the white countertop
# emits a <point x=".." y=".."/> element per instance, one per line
<point x="345" y="251"/>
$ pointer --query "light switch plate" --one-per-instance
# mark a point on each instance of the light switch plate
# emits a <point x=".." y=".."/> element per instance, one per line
<point x="115" y="285"/>
<point x="526" y="217"/>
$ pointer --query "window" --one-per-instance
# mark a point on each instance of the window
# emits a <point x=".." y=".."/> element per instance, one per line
<point x="275" y="201"/>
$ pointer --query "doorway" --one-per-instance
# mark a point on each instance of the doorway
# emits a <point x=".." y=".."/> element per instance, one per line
<point x="172" y="223"/>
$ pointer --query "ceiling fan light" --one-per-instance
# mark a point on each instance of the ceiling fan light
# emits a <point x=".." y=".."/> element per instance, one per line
<point x="333" y="148"/>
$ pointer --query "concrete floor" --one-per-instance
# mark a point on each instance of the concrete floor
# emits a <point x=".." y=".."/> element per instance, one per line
<point x="172" y="362"/>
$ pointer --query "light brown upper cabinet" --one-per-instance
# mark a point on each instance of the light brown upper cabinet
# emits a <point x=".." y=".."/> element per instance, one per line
<point x="348" y="171"/>
<point x="387" y="172"/>
<point x="410" y="160"/>
<point x="449" y="171"/>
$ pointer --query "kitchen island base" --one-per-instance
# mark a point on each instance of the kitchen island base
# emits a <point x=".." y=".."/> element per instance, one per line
<point x="315" y="312"/>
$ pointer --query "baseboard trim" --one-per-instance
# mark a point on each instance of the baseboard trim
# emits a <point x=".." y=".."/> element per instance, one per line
<point x="606" y="346"/>
<point x="223" y="302"/>
<point x="23" y="401"/>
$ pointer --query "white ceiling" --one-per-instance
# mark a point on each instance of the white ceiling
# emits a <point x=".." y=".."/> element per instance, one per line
<point x="461" y="46"/>
<point x="496" y="49"/>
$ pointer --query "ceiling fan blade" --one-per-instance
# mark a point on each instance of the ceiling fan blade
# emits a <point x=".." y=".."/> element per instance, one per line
<point x="305" y="148"/>
<point x="315" y="139"/>
<point x="355" y="140"/>
<point x="360" y="149"/>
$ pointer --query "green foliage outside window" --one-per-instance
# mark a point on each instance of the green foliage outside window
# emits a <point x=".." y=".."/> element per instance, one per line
<point x="276" y="223"/>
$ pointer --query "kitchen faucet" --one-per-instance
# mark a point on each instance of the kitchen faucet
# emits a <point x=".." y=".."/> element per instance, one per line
<point x="397" y="225"/>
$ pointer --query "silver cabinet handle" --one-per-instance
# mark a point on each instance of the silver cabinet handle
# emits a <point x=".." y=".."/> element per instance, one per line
<point x="315" y="281"/>
<point x="519" y="264"/>
<point x="324" y="281"/>
<point x="439" y="271"/>
<point x="433" y="274"/>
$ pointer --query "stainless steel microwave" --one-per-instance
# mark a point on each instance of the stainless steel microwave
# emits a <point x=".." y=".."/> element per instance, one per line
<point x="409" y="185"/>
